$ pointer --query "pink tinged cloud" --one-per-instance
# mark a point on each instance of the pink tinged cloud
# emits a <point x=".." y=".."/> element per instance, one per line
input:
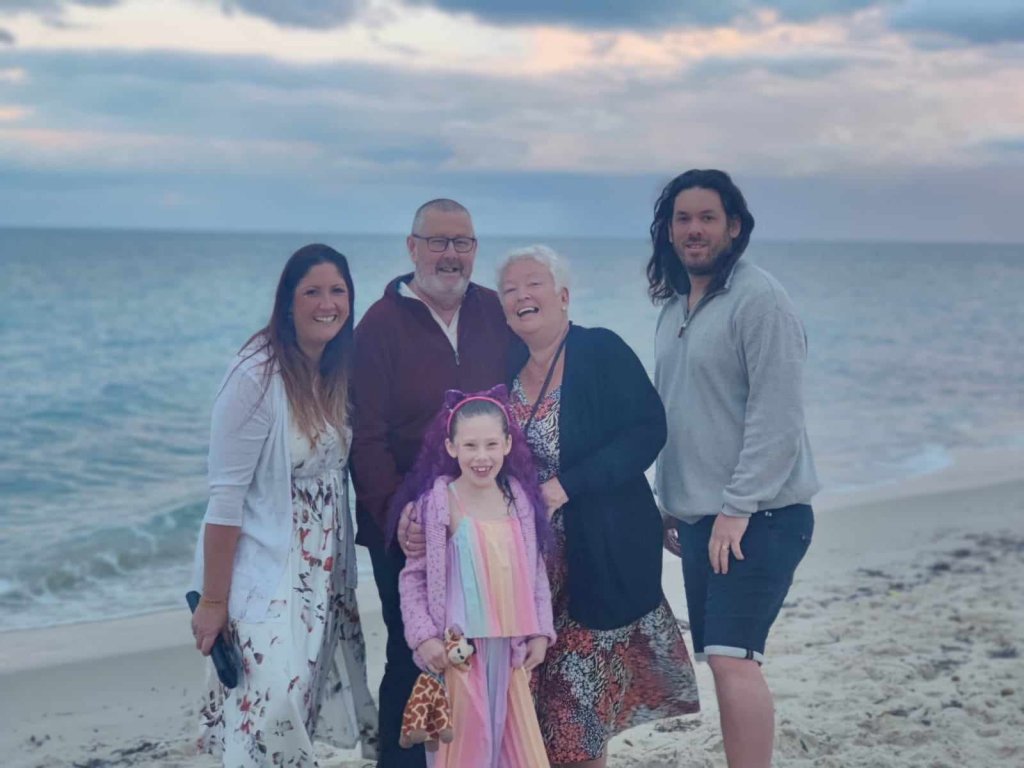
<point x="10" y="113"/>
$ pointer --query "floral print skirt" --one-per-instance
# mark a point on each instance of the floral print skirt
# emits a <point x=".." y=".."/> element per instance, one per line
<point x="305" y="665"/>
<point x="595" y="683"/>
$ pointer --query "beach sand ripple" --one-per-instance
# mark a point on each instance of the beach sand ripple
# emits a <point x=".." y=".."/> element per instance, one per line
<point x="917" y="665"/>
<point x="900" y="650"/>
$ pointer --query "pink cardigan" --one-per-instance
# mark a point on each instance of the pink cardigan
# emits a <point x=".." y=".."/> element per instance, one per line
<point x="422" y="584"/>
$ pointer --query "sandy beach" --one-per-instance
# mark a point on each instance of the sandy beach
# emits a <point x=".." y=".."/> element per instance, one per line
<point x="901" y="645"/>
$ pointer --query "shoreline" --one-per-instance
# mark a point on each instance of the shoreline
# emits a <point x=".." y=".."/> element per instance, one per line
<point x="905" y="603"/>
<point x="970" y="469"/>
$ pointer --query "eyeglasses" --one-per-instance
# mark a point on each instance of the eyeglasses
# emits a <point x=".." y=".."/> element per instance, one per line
<point x="440" y="244"/>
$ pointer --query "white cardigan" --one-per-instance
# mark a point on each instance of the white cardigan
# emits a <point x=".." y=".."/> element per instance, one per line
<point x="250" y="484"/>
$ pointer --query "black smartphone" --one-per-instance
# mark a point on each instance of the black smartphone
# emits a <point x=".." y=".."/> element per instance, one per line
<point x="225" y="656"/>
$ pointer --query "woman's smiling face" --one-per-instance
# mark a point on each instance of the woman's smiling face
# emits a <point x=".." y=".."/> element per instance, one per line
<point x="320" y="307"/>
<point x="530" y="299"/>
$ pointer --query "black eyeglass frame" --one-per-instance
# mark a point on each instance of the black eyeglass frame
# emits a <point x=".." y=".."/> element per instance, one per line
<point x="432" y="241"/>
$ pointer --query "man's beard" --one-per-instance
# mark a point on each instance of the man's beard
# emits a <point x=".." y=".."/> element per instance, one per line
<point x="711" y="266"/>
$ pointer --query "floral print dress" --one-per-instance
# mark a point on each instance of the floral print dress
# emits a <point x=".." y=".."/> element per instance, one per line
<point x="305" y="665"/>
<point x="596" y="683"/>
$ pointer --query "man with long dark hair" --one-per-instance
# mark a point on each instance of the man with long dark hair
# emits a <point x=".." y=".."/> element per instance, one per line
<point x="736" y="476"/>
<point x="433" y="330"/>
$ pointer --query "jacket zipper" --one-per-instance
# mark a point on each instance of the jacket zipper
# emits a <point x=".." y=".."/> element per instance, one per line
<point x="688" y="317"/>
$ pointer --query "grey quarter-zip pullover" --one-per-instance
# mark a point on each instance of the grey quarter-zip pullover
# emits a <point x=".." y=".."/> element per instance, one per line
<point x="730" y="374"/>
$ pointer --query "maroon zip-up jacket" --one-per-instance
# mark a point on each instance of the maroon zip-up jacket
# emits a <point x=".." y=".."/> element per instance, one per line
<point x="402" y="366"/>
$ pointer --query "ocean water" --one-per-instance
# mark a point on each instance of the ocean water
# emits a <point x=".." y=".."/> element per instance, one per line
<point x="112" y="345"/>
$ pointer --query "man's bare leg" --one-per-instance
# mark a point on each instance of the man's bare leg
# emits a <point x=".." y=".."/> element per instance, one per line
<point x="746" y="710"/>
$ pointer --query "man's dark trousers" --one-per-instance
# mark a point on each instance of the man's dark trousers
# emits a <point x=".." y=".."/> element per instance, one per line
<point x="400" y="672"/>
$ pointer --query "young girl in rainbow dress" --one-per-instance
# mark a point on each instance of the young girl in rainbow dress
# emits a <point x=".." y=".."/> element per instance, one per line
<point x="482" y="574"/>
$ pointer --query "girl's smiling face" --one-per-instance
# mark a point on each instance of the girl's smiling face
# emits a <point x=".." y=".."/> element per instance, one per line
<point x="480" y="444"/>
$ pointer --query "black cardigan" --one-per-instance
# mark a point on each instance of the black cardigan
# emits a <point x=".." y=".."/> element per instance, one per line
<point x="611" y="428"/>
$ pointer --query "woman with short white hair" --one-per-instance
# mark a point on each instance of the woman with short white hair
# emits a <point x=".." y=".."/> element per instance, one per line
<point x="594" y="423"/>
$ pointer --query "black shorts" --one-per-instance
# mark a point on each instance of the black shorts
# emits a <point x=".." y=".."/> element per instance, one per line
<point x="730" y="614"/>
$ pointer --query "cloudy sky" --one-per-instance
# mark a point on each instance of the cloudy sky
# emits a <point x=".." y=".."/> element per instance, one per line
<point x="864" y="119"/>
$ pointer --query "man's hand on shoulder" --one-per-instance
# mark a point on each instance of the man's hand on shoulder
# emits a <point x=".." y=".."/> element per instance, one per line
<point x="410" y="533"/>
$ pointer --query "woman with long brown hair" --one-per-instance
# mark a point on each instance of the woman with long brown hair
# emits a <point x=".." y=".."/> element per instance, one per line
<point x="276" y="556"/>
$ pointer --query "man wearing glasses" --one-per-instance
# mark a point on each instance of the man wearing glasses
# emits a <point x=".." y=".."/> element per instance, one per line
<point x="433" y="330"/>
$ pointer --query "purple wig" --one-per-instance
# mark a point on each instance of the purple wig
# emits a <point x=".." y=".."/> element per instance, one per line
<point x="434" y="461"/>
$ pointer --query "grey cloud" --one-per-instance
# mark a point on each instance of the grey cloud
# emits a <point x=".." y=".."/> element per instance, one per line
<point x="6" y="38"/>
<point x="312" y="14"/>
<point x="983" y="21"/>
<point x="795" y="67"/>
<point x="611" y="14"/>
<point x="37" y="6"/>
<point x="370" y="126"/>
<point x="1013" y="147"/>
<point x="606" y="14"/>
<point x="807" y="10"/>
<point x="308" y="14"/>
<point x="352" y="115"/>
<point x="51" y="11"/>
<point x="104" y="72"/>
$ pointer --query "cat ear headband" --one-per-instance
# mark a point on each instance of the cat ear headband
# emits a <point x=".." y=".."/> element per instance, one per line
<point x="454" y="399"/>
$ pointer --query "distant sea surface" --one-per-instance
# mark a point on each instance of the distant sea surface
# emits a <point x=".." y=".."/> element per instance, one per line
<point x="112" y="345"/>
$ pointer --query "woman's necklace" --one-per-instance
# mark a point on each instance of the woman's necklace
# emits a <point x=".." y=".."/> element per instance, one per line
<point x="537" y="370"/>
<point x="547" y="381"/>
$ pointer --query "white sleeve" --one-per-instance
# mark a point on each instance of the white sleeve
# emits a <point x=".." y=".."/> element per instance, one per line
<point x="242" y="418"/>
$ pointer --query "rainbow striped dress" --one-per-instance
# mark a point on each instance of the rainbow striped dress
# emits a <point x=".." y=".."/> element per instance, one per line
<point x="490" y="597"/>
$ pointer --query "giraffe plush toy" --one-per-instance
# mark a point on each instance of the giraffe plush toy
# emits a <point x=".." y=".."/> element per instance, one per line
<point x="427" y="717"/>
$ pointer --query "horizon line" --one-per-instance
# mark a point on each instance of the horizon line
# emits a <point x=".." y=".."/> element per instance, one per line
<point x="506" y="235"/>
